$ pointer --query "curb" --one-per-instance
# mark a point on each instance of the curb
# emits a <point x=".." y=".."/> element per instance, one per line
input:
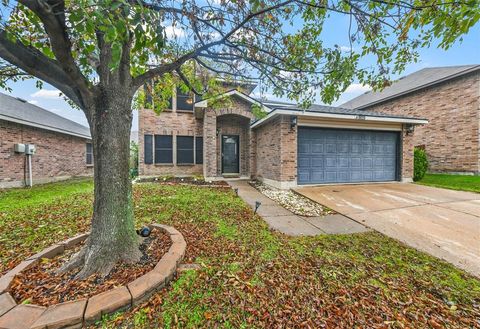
<point x="75" y="314"/>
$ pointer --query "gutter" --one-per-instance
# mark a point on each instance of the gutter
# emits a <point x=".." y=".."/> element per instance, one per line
<point x="312" y="114"/>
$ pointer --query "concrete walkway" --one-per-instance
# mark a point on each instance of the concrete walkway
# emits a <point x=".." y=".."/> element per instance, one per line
<point x="441" y="222"/>
<point x="283" y="220"/>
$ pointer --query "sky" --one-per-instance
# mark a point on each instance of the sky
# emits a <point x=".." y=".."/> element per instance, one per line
<point x="461" y="53"/>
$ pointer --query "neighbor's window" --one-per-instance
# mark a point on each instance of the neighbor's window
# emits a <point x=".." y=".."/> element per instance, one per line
<point x="184" y="149"/>
<point x="163" y="149"/>
<point x="198" y="150"/>
<point x="89" y="154"/>
<point x="184" y="100"/>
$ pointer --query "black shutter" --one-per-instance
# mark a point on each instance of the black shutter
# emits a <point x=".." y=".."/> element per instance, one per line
<point x="185" y="149"/>
<point x="163" y="149"/>
<point x="148" y="149"/>
<point x="199" y="150"/>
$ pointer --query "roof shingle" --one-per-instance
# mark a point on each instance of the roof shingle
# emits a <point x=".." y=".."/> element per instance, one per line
<point x="410" y="83"/>
<point x="17" y="110"/>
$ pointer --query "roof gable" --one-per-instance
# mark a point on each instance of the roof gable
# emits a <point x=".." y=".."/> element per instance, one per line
<point x="410" y="83"/>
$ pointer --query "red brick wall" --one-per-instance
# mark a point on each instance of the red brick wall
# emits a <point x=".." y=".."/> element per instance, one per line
<point x="58" y="156"/>
<point x="406" y="164"/>
<point x="451" y="137"/>
<point x="167" y="123"/>
<point x="234" y="119"/>
<point x="276" y="150"/>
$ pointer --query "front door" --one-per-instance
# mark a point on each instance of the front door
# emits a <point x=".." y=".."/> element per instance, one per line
<point x="230" y="154"/>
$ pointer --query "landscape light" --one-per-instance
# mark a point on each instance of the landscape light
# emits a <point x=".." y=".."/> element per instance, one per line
<point x="257" y="205"/>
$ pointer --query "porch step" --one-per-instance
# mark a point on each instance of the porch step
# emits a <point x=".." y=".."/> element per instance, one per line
<point x="231" y="176"/>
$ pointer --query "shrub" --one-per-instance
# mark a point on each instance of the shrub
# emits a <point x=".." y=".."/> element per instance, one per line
<point x="420" y="164"/>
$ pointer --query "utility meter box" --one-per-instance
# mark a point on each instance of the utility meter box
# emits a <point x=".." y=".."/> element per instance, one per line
<point x="30" y="149"/>
<point x="19" y="148"/>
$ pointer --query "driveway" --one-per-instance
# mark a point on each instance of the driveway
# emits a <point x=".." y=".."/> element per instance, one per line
<point x="441" y="222"/>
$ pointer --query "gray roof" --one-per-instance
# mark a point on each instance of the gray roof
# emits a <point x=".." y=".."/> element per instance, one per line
<point x="20" y="111"/>
<point x="330" y="109"/>
<point x="410" y="83"/>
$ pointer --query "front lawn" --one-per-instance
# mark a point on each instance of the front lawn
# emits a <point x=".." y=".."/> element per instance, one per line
<point x="251" y="276"/>
<point x="453" y="182"/>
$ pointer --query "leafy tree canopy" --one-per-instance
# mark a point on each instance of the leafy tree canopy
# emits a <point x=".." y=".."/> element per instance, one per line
<point x="76" y="45"/>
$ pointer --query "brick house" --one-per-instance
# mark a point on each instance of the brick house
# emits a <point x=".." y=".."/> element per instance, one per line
<point x="63" y="147"/>
<point x="288" y="147"/>
<point x="449" y="97"/>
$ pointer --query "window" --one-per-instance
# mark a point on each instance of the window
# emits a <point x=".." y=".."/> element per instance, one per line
<point x="148" y="149"/>
<point x="184" y="101"/>
<point x="163" y="149"/>
<point x="198" y="150"/>
<point x="89" y="154"/>
<point x="147" y="88"/>
<point x="184" y="149"/>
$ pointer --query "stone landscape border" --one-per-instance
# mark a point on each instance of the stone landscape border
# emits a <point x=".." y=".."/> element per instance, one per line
<point x="75" y="314"/>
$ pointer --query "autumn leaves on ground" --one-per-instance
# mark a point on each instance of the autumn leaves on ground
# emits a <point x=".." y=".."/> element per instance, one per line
<point x="250" y="276"/>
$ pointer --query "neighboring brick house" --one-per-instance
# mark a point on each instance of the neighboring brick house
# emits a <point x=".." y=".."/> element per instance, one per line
<point x="449" y="97"/>
<point x="288" y="147"/>
<point x="63" y="147"/>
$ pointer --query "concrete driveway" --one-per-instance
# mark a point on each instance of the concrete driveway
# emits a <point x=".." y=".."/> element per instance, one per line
<point x="441" y="222"/>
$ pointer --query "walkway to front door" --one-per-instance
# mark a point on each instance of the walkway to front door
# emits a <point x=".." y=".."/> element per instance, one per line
<point x="284" y="221"/>
<point x="230" y="154"/>
<point x="443" y="223"/>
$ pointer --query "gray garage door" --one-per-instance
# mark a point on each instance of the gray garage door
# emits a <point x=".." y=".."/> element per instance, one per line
<point x="346" y="156"/>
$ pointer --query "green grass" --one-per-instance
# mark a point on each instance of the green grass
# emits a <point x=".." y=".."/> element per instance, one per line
<point x="23" y="197"/>
<point x="251" y="277"/>
<point x="453" y="182"/>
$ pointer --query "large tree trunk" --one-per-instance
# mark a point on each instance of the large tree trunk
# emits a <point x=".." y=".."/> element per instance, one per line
<point x="113" y="238"/>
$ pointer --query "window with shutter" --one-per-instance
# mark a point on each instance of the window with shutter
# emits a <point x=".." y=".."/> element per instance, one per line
<point x="89" y="154"/>
<point x="148" y="149"/>
<point x="184" y="149"/>
<point x="163" y="149"/>
<point x="199" y="150"/>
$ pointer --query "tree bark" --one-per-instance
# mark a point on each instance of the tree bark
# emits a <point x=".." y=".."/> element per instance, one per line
<point x="113" y="238"/>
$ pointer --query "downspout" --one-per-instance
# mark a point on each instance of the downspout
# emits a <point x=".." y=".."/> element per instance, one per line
<point x="30" y="180"/>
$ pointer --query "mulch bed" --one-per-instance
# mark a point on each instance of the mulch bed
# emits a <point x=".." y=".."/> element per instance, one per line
<point x="183" y="181"/>
<point x="40" y="284"/>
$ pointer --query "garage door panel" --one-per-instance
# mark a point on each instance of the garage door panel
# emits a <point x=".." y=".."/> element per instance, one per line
<point x="304" y="162"/>
<point x="343" y="147"/>
<point x="343" y="176"/>
<point x="317" y="162"/>
<point x="317" y="147"/>
<point x="304" y="148"/>
<point x="367" y="163"/>
<point x="317" y="175"/>
<point x="331" y="148"/>
<point x="357" y="176"/>
<point x="303" y="175"/>
<point x="330" y="162"/>
<point x="356" y="162"/>
<point x="343" y="162"/>
<point x="342" y="156"/>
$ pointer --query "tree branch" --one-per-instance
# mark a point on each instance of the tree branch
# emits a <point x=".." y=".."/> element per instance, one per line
<point x="52" y="15"/>
<point x="36" y="64"/>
